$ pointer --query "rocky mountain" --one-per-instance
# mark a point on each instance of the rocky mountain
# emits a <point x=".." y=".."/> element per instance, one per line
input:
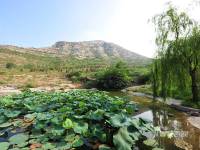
<point x="86" y="49"/>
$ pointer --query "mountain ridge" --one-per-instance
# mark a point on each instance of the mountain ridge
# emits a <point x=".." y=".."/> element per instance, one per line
<point x="82" y="50"/>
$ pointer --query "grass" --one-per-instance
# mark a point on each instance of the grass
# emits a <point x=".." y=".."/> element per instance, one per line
<point x="42" y="68"/>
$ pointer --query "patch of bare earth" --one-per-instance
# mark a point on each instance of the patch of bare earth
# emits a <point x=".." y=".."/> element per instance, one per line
<point x="8" y="90"/>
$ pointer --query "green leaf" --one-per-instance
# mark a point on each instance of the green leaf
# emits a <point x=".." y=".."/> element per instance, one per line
<point x="4" y="145"/>
<point x="151" y="142"/>
<point x="12" y="113"/>
<point x="70" y="137"/>
<point x="122" y="140"/>
<point x="29" y="117"/>
<point x="77" y="142"/>
<point x="104" y="147"/>
<point x="156" y="148"/>
<point x="48" y="146"/>
<point x="68" y="124"/>
<point x="5" y="125"/>
<point x="119" y="120"/>
<point x="2" y="119"/>
<point x="96" y="115"/>
<point x="19" y="139"/>
<point x="58" y="131"/>
<point x="80" y="127"/>
<point x="63" y="146"/>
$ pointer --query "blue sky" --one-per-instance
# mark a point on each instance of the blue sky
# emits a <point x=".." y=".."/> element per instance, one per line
<point x="40" y="23"/>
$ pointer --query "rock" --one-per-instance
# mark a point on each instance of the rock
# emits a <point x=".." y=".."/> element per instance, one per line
<point x="195" y="121"/>
<point x="196" y="114"/>
<point x="181" y="144"/>
<point x="170" y="115"/>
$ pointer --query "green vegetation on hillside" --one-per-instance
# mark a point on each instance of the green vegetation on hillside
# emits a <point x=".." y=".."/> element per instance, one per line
<point x="85" y="71"/>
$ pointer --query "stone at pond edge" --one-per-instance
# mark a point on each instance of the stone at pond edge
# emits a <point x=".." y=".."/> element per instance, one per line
<point x="183" y="145"/>
<point x="4" y="145"/>
<point x="195" y="121"/>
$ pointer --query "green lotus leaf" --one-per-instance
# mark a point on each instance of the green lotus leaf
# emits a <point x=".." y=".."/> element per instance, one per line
<point x="58" y="131"/>
<point x="63" y="146"/>
<point x="30" y="117"/>
<point x="122" y="140"/>
<point x="104" y="147"/>
<point x="2" y="119"/>
<point x="118" y="102"/>
<point x="19" y="139"/>
<point x="68" y="124"/>
<point x="156" y="148"/>
<point x="97" y="131"/>
<point x="82" y="104"/>
<point x="44" y="116"/>
<point x="70" y="137"/>
<point x="119" y="120"/>
<point x="130" y="108"/>
<point x="80" y="127"/>
<point x="48" y="146"/>
<point x="4" y="145"/>
<point x="150" y="142"/>
<point x="5" y="125"/>
<point x="77" y="142"/>
<point x="96" y="115"/>
<point x="7" y="101"/>
<point x="12" y="113"/>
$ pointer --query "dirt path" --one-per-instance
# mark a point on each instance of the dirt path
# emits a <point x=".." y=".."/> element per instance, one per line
<point x="11" y="89"/>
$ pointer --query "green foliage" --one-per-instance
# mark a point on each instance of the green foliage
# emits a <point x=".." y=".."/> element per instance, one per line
<point x="76" y="119"/>
<point x="177" y="63"/>
<point x="10" y="65"/>
<point x="114" y="77"/>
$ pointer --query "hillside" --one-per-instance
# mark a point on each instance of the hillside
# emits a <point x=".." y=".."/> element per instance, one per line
<point x="82" y="50"/>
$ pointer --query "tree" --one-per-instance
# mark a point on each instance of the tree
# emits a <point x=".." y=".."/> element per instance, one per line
<point x="178" y="40"/>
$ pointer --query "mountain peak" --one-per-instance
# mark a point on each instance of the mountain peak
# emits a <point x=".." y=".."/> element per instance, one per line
<point x="86" y="49"/>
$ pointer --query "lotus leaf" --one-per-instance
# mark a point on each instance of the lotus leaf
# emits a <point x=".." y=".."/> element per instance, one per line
<point x="151" y="142"/>
<point x="48" y="146"/>
<point x="68" y="124"/>
<point x="104" y="147"/>
<point x="119" y="120"/>
<point x="19" y="139"/>
<point x="5" y="125"/>
<point x="4" y="145"/>
<point x="77" y="142"/>
<point x="96" y="115"/>
<point x="122" y="140"/>
<point x="12" y="113"/>
<point x="80" y="127"/>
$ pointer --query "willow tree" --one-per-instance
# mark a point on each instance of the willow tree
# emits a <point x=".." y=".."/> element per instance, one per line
<point x="178" y="41"/>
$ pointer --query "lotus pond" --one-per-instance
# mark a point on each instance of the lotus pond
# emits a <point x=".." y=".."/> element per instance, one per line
<point x="78" y="119"/>
<point x="181" y="134"/>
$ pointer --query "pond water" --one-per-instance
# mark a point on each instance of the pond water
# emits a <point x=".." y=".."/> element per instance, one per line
<point x="185" y="135"/>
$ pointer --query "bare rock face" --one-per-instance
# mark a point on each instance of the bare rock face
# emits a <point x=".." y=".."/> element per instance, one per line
<point x="95" y="49"/>
<point x="85" y="49"/>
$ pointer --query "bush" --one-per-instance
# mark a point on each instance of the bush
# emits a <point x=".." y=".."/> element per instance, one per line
<point x="142" y="79"/>
<point x="10" y="65"/>
<point x="114" y="77"/>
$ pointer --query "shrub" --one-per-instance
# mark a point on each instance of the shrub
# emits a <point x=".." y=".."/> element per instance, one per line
<point x="114" y="77"/>
<point x="142" y="79"/>
<point x="10" y="65"/>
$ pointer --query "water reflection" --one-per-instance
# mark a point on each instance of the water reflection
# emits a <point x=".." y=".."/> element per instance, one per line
<point x="185" y="135"/>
